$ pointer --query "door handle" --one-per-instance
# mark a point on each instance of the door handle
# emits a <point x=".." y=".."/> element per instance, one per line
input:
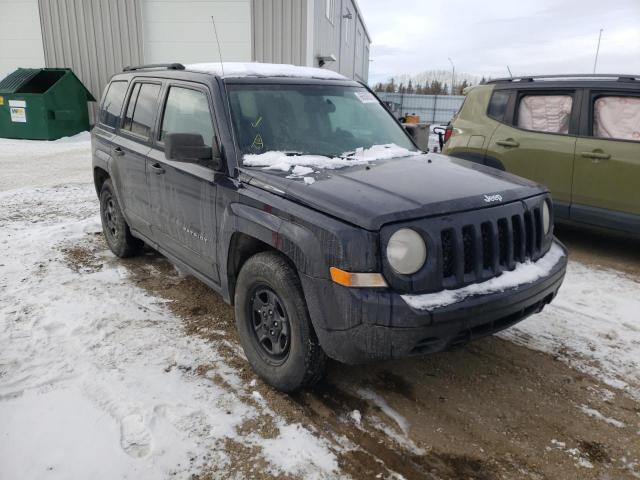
<point x="509" y="142"/>
<point x="157" y="169"/>
<point x="118" y="151"/>
<point x="596" y="155"/>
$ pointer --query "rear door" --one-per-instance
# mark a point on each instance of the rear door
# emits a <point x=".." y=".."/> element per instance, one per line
<point x="537" y="140"/>
<point x="606" y="185"/>
<point x="131" y="147"/>
<point x="183" y="193"/>
<point x="104" y="133"/>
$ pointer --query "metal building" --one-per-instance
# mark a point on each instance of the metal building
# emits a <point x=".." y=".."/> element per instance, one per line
<point x="97" y="38"/>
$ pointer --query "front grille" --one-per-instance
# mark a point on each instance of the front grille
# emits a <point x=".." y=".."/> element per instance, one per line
<point x="476" y="252"/>
<point x="448" y="260"/>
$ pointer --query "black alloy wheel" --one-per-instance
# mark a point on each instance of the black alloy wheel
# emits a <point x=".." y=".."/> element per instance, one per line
<point x="270" y="324"/>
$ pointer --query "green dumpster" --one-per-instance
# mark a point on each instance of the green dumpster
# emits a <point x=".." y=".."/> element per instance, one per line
<point x="43" y="104"/>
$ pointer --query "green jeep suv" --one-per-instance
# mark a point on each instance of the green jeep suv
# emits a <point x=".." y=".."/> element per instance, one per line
<point x="577" y="134"/>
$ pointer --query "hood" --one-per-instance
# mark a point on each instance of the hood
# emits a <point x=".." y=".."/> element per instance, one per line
<point x="398" y="189"/>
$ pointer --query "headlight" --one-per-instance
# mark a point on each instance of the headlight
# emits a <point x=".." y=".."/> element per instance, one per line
<point x="546" y="217"/>
<point x="406" y="251"/>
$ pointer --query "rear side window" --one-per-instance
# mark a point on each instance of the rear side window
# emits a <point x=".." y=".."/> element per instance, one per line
<point x="141" y="109"/>
<point x="112" y="104"/>
<point x="545" y="113"/>
<point x="617" y="117"/>
<point x="187" y="111"/>
<point x="498" y="105"/>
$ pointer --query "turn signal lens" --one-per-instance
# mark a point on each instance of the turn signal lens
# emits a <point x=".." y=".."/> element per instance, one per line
<point x="357" y="280"/>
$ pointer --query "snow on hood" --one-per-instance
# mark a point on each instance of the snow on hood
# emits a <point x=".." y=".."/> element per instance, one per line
<point x="301" y="165"/>
<point x="523" y="273"/>
<point x="256" y="69"/>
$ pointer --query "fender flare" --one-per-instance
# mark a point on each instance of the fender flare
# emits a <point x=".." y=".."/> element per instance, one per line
<point x="281" y="235"/>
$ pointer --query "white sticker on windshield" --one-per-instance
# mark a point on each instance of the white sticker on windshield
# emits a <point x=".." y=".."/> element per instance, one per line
<point x="365" y="97"/>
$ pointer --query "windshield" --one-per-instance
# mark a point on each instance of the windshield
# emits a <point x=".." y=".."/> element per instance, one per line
<point x="323" y="120"/>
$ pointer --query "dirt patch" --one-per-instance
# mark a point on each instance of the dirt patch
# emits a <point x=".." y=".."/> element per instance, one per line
<point x="595" y="451"/>
<point x="83" y="259"/>
<point x="487" y="411"/>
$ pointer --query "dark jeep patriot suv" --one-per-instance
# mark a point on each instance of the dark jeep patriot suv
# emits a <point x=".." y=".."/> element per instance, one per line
<point x="297" y="196"/>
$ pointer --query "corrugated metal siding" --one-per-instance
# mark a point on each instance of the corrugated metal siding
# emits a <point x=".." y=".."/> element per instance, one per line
<point x="279" y="31"/>
<point x="95" y="38"/>
<point x="346" y="39"/>
<point x="431" y="108"/>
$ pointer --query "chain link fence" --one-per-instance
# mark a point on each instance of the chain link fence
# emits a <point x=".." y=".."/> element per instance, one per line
<point x="433" y="109"/>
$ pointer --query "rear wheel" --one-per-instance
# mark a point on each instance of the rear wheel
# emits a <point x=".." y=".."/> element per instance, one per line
<point x="274" y="325"/>
<point x="115" y="228"/>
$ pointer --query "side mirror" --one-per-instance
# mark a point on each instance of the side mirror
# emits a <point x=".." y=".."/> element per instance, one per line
<point x="186" y="146"/>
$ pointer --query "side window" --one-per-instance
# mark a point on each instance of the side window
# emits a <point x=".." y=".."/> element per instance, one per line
<point x="141" y="109"/>
<point x="617" y="117"/>
<point x="498" y="105"/>
<point x="545" y="113"/>
<point x="112" y="103"/>
<point x="187" y="111"/>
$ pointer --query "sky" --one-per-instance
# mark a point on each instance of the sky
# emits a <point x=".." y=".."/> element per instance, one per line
<point x="482" y="37"/>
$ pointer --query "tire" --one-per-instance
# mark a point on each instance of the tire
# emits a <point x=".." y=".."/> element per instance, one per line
<point x="267" y="283"/>
<point x="115" y="228"/>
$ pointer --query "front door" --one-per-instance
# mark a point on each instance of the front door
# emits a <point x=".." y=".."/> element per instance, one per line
<point x="183" y="193"/>
<point x="537" y="142"/>
<point x="606" y="185"/>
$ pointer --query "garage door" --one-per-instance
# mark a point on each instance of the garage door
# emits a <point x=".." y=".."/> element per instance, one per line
<point x="182" y="31"/>
<point x="20" y="36"/>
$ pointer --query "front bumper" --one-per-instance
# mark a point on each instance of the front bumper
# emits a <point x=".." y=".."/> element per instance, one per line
<point x="360" y="325"/>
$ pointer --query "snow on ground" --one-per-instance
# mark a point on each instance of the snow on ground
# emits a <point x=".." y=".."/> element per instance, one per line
<point x="593" y="325"/>
<point x="96" y="376"/>
<point x="38" y="163"/>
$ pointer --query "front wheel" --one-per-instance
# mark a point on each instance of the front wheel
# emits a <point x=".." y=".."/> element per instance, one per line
<point x="274" y="325"/>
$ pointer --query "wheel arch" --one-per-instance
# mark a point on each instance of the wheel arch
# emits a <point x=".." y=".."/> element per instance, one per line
<point x="100" y="175"/>
<point x="256" y="231"/>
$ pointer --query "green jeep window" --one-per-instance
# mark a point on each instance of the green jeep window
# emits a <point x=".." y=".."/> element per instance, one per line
<point x="617" y="117"/>
<point x="498" y="105"/>
<point x="545" y="113"/>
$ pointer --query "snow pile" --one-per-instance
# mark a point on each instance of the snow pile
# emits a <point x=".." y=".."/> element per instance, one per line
<point x="523" y="273"/>
<point x="295" y="449"/>
<point x="592" y="325"/>
<point x="599" y="416"/>
<point x="384" y="406"/>
<point x="301" y="165"/>
<point x="257" y="69"/>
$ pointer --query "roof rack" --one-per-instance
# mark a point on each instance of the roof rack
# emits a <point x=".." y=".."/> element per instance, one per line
<point x="168" y="66"/>
<point x="586" y="76"/>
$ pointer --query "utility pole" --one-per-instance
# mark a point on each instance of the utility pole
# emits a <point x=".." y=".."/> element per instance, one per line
<point x="453" y="74"/>
<point x="595" y="63"/>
